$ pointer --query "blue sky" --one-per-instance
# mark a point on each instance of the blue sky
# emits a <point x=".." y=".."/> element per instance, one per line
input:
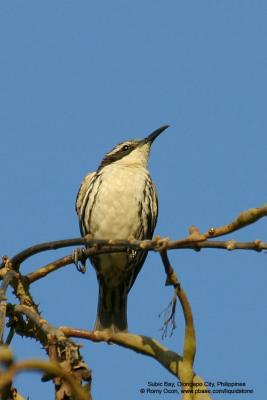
<point x="78" y="77"/>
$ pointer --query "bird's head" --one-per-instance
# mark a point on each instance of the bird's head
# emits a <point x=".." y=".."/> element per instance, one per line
<point x="132" y="152"/>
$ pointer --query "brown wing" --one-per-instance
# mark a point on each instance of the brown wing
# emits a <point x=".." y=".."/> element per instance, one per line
<point x="148" y="214"/>
<point x="81" y="198"/>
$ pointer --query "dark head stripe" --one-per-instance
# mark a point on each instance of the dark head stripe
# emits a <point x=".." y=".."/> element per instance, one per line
<point x="117" y="153"/>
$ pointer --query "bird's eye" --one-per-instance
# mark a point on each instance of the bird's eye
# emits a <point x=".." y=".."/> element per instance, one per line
<point x="125" y="147"/>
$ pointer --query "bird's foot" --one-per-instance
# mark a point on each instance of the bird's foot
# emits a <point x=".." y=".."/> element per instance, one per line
<point x="79" y="259"/>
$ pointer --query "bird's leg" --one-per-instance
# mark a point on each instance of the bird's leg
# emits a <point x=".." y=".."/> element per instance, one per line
<point x="79" y="259"/>
<point x="131" y="252"/>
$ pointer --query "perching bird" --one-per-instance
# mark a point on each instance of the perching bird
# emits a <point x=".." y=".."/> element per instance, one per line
<point x="119" y="201"/>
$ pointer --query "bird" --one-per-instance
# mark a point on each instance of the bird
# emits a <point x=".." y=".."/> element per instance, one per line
<point x="119" y="201"/>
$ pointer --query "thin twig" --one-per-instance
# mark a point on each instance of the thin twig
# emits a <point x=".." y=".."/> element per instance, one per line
<point x="245" y="218"/>
<point x="229" y="245"/>
<point x="169" y="317"/>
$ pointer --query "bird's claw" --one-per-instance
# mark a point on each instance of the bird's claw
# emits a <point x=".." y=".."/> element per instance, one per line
<point x="79" y="259"/>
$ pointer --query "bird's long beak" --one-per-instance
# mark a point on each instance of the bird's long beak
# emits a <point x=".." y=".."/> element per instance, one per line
<point x="150" y="138"/>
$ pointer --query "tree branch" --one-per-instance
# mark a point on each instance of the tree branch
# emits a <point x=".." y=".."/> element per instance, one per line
<point x="189" y="349"/>
<point x="64" y="355"/>
<point x="139" y="343"/>
<point x="192" y="241"/>
<point x="49" y="368"/>
<point x="62" y="351"/>
<point x="145" y="345"/>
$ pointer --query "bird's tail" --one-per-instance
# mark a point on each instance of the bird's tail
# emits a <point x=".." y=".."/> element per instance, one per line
<point x="112" y="308"/>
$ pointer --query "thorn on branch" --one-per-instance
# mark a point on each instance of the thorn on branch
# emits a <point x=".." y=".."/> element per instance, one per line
<point x="258" y="245"/>
<point x="211" y="231"/>
<point x="231" y="245"/>
<point x="171" y="275"/>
